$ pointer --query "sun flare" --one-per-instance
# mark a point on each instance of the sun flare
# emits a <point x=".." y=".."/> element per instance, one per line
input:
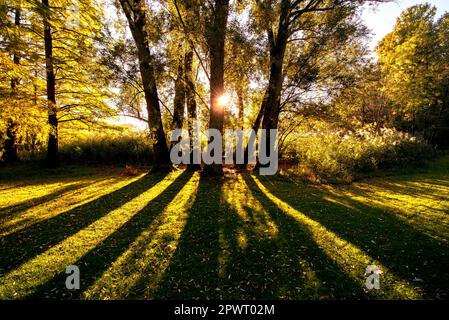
<point x="223" y="100"/>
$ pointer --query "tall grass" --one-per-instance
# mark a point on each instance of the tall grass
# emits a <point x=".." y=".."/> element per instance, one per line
<point x="345" y="155"/>
<point x="108" y="149"/>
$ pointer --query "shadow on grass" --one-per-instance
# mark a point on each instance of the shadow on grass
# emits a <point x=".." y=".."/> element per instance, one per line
<point x="223" y="254"/>
<point x="94" y="263"/>
<point x="32" y="173"/>
<point x="39" y="237"/>
<point x="13" y="210"/>
<point x="410" y="254"/>
<point x="193" y="272"/>
<point x="211" y="264"/>
<point x="422" y="187"/>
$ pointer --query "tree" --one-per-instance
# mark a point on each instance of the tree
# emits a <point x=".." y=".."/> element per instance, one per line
<point x="52" y="151"/>
<point x="189" y="24"/>
<point x="215" y="38"/>
<point x="413" y="60"/>
<point x="22" y="113"/>
<point x="286" y="22"/>
<point x="10" y="144"/>
<point x="440" y="133"/>
<point x="180" y="91"/>
<point x="135" y="12"/>
<point x="364" y="103"/>
<point x="191" y="107"/>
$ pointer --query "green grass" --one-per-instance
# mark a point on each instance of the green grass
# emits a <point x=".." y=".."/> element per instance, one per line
<point x="243" y="236"/>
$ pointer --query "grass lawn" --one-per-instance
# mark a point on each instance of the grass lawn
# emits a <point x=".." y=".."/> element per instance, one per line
<point x="243" y="236"/>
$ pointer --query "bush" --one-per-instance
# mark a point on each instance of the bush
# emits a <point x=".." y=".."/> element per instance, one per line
<point x="107" y="149"/>
<point x="344" y="155"/>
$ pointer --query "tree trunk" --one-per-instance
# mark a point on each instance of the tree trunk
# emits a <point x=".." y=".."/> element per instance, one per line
<point x="272" y="108"/>
<point x="10" y="146"/>
<point x="136" y="16"/>
<point x="268" y="114"/>
<point x="216" y="35"/>
<point x="241" y="108"/>
<point x="179" y="100"/>
<point x="254" y="128"/>
<point x="52" y="149"/>
<point x="191" y="106"/>
<point x="278" y="47"/>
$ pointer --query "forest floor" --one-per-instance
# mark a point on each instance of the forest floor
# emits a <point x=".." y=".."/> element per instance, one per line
<point x="239" y="237"/>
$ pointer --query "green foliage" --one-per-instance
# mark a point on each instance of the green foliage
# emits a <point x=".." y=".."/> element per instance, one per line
<point x="82" y="84"/>
<point x="413" y="59"/>
<point x="129" y="148"/>
<point x="344" y="155"/>
<point x="22" y="111"/>
<point x="364" y="102"/>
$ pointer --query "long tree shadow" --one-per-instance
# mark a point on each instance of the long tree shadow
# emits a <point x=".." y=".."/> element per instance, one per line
<point x="222" y="256"/>
<point x="424" y="207"/>
<point x="303" y="269"/>
<point x="30" y="174"/>
<point x="425" y="188"/>
<point x="16" y="209"/>
<point x="94" y="263"/>
<point x="23" y="245"/>
<point x="193" y="272"/>
<point x="407" y="252"/>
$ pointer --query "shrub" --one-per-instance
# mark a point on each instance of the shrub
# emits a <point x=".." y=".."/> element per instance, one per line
<point x="124" y="149"/>
<point x="344" y="155"/>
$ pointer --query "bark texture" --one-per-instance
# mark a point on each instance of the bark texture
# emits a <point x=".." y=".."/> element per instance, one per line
<point x="216" y="35"/>
<point x="136" y="16"/>
<point x="52" y="148"/>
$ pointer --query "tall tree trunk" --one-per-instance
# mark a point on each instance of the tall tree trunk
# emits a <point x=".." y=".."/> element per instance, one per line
<point x="179" y="100"/>
<point x="180" y="95"/>
<point x="191" y="106"/>
<point x="52" y="150"/>
<point x="272" y="108"/>
<point x="136" y="16"/>
<point x="254" y="128"/>
<point x="268" y="115"/>
<point x="278" y="46"/>
<point x="10" y="145"/>
<point x="216" y="35"/>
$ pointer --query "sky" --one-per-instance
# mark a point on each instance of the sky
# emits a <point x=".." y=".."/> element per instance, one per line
<point x="382" y="19"/>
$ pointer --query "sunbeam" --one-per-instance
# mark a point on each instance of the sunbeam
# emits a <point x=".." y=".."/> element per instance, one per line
<point x="146" y="260"/>
<point x="238" y="196"/>
<point x="65" y="202"/>
<point x="421" y="205"/>
<point x="22" y="281"/>
<point x="349" y="258"/>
